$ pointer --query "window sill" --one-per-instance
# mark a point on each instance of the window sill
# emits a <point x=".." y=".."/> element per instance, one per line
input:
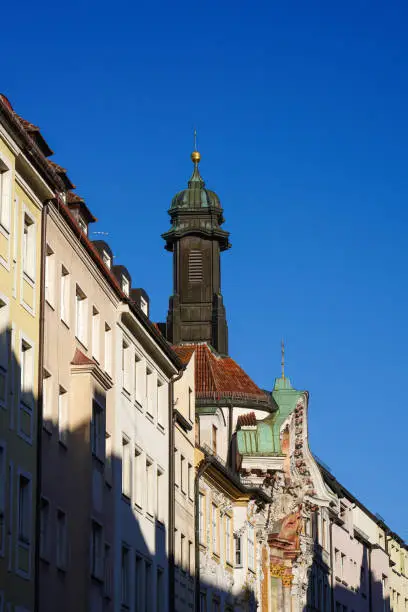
<point x="126" y="498"/>
<point x="161" y="428"/>
<point x="138" y="508"/>
<point x="63" y="444"/>
<point x="150" y="417"/>
<point x="139" y="406"/>
<point x="47" y="428"/>
<point x="61" y="569"/>
<point x="216" y="557"/>
<point x="125" y="392"/>
<point x="252" y="570"/>
<point x="45" y="559"/>
<point x="81" y="342"/>
<point x="150" y="517"/>
<point x="50" y="304"/>
<point x="4" y="231"/>
<point x="100" y="462"/>
<point x="96" y="578"/>
<point x="28" y="279"/>
<point x="65" y="323"/>
<point x="160" y="524"/>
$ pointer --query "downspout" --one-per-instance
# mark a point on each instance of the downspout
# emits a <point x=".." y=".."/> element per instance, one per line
<point x="201" y="469"/>
<point x="171" y="491"/>
<point x="331" y="565"/>
<point x="40" y="407"/>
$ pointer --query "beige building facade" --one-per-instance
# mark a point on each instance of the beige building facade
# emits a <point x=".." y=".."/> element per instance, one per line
<point x="26" y="183"/>
<point x="184" y="535"/>
<point x="81" y="304"/>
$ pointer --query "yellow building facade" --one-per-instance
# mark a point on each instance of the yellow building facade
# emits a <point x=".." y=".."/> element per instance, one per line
<point x="23" y="189"/>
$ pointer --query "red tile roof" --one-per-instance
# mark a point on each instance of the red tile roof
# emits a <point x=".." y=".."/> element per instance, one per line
<point x="81" y="359"/>
<point x="219" y="377"/>
<point x="246" y="420"/>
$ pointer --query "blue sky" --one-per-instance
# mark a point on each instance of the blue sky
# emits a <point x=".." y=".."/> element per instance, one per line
<point x="301" y="111"/>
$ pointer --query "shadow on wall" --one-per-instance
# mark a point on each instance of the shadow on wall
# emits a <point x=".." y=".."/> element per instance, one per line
<point x="98" y="550"/>
<point x="358" y="591"/>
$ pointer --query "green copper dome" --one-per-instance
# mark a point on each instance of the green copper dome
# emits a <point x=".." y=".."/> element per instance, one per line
<point x="196" y="196"/>
<point x="196" y="211"/>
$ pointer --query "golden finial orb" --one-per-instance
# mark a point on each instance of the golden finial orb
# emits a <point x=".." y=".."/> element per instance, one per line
<point x="195" y="157"/>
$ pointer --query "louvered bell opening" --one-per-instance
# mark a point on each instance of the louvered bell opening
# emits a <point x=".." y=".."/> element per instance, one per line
<point x="195" y="267"/>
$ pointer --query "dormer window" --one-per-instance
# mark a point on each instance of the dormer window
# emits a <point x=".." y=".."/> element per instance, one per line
<point x="125" y="285"/>
<point x="82" y="225"/>
<point x="143" y="305"/>
<point x="106" y="259"/>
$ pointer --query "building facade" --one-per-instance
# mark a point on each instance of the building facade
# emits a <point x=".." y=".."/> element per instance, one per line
<point x="26" y="183"/>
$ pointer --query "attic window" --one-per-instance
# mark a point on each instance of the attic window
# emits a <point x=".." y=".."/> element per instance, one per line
<point x="106" y="259"/>
<point x="82" y="225"/>
<point x="143" y="305"/>
<point x="125" y="285"/>
<point x="195" y="267"/>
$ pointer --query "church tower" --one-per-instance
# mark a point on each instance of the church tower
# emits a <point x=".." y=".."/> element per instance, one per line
<point x="196" y="239"/>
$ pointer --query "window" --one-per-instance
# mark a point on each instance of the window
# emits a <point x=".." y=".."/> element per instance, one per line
<point x="214" y="439"/>
<point x="238" y="551"/>
<point x="195" y="266"/>
<point x="149" y="487"/>
<point x="324" y="533"/>
<point x="44" y="529"/>
<point x="201" y="501"/>
<point x="4" y="348"/>
<point x="125" y="575"/>
<point x="107" y="571"/>
<point x="106" y="259"/>
<point x="62" y="542"/>
<point x="81" y="315"/>
<point x="144" y="306"/>
<point x="161" y="403"/>
<point x="108" y="349"/>
<point x="138" y="583"/>
<point x="2" y="494"/>
<point x="63" y="415"/>
<point x="47" y="400"/>
<point x="97" y="551"/>
<point x="126" y="468"/>
<point x="95" y="334"/>
<point x="190" y="558"/>
<point x="190" y="404"/>
<point x="182" y="476"/>
<point x="337" y="562"/>
<point x="308" y="526"/>
<point x="214" y="528"/>
<point x="160" y="496"/>
<point x="64" y="295"/>
<point x="148" y="586"/>
<point x="25" y="424"/>
<point x="216" y="605"/>
<point x="138" y="478"/>
<point x="251" y="547"/>
<point x="98" y="431"/>
<point x="108" y="458"/>
<point x="50" y="276"/>
<point x="150" y="392"/>
<point x="5" y="194"/>
<point x="160" y="595"/>
<point x="228" y="539"/>
<point x="125" y="285"/>
<point x="29" y="247"/>
<point x="342" y="564"/>
<point x="182" y="552"/>
<point x="126" y="383"/>
<point x="203" y="602"/>
<point x="27" y="373"/>
<point x="384" y="592"/>
<point x="82" y="224"/>
<point x="190" y="483"/>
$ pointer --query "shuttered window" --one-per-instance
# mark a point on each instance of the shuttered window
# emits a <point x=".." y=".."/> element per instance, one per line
<point x="195" y="267"/>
